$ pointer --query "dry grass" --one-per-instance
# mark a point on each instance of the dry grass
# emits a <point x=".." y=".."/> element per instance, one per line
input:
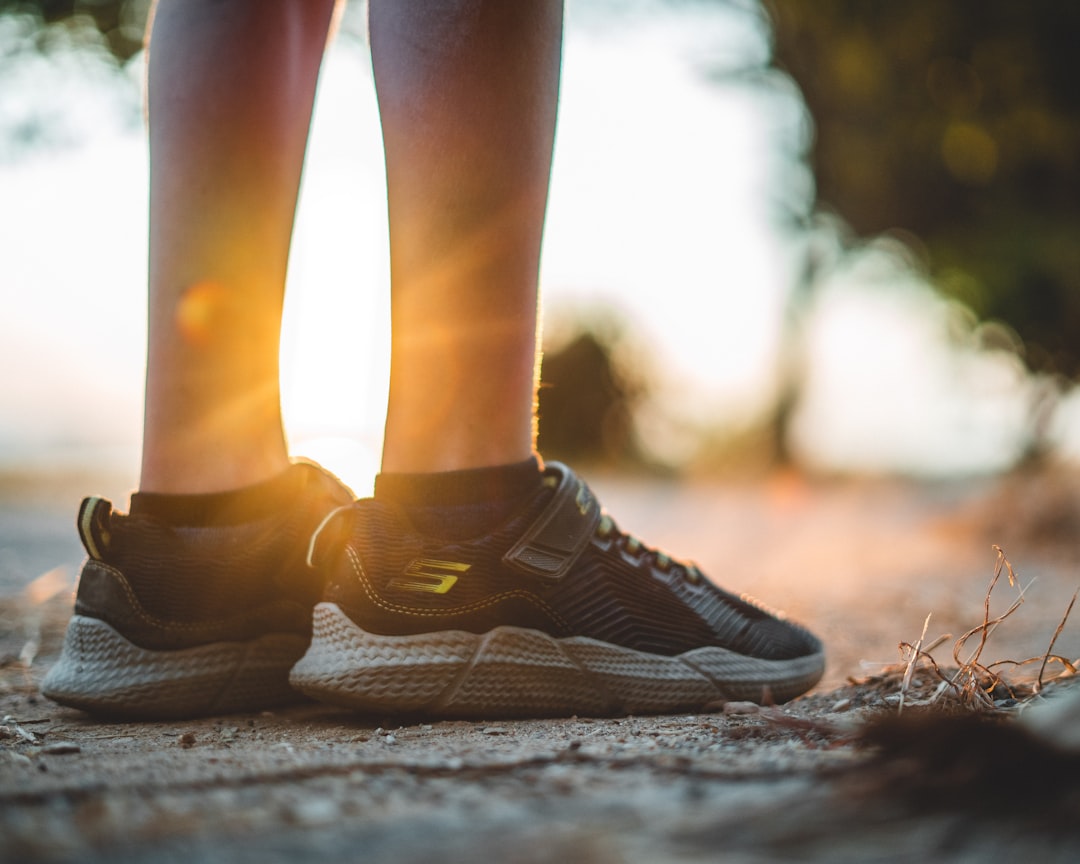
<point x="970" y="683"/>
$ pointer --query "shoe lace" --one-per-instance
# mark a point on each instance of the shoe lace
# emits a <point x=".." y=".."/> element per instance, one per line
<point x="607" y="530"/>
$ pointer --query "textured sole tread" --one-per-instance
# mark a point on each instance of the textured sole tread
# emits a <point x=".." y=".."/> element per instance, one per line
<point x="516" y="672"/>
<point x="101" y="672"/>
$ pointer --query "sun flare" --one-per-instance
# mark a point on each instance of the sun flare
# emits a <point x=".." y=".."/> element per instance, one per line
<point x="335" y="375"/>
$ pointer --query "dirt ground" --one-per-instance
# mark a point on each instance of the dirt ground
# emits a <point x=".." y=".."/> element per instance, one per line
<point x="826" y="778"/>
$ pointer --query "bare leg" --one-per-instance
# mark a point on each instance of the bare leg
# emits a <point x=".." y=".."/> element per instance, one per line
<point x="467" y="92"/>
<point x="231" y="87"/>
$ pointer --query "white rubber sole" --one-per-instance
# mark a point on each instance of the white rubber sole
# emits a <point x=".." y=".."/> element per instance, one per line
<point x="101" y="672"/>
<point x="515" y="672"/>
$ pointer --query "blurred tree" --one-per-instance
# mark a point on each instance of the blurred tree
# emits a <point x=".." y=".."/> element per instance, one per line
<point x="958" y="125"/>
<point x="117" y="24"/>
<point x="587" y="399"/>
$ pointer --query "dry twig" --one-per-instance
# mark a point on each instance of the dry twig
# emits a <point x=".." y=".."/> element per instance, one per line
<point x="916" y="650"/>
<point x="1050" y="648"/>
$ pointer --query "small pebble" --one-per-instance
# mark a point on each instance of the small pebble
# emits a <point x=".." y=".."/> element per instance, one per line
<point x="186" y="740"/>
<point x="61" y="748"/>
<point x="494" y="730"/>
<point x="1054" y="719"/>
<point x="841" y="705"/>
<point x="741" y="708"/>
<point x="315" y="811"/>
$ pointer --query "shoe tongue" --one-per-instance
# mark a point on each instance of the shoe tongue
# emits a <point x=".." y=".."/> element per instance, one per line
<point x="560" y="532"/>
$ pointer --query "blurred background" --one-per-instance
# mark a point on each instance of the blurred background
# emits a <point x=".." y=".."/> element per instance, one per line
<point x="838" y="236"/>
<point x="785" y="239"/>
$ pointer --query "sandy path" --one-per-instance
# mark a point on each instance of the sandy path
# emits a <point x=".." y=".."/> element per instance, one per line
<point x="861" y="563"/>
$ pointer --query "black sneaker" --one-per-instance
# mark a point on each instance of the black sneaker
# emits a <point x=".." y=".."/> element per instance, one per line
<point x="176" y="622"/>
<point x="555" y="613"/>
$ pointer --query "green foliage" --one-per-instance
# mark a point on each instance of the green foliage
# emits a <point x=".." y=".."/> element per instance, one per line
<point x="117" y="24"/>
<point x="958" y="124"/>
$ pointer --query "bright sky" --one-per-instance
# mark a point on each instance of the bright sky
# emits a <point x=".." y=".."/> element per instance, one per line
<point x="661" y="207"/>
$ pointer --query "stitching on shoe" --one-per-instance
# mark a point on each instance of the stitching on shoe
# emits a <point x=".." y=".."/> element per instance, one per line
<point x="362" y="578"/>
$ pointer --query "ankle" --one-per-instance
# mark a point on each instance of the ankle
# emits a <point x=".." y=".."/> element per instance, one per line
<point x="210" y="469"/>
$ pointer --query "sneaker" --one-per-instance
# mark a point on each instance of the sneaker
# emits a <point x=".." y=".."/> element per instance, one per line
<point x="555" y="613"/>
<point x="175" y="622"/>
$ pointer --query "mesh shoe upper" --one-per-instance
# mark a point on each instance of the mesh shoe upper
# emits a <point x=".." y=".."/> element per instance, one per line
<point x="560" y="566"/>
<point x="234" y="578"/>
